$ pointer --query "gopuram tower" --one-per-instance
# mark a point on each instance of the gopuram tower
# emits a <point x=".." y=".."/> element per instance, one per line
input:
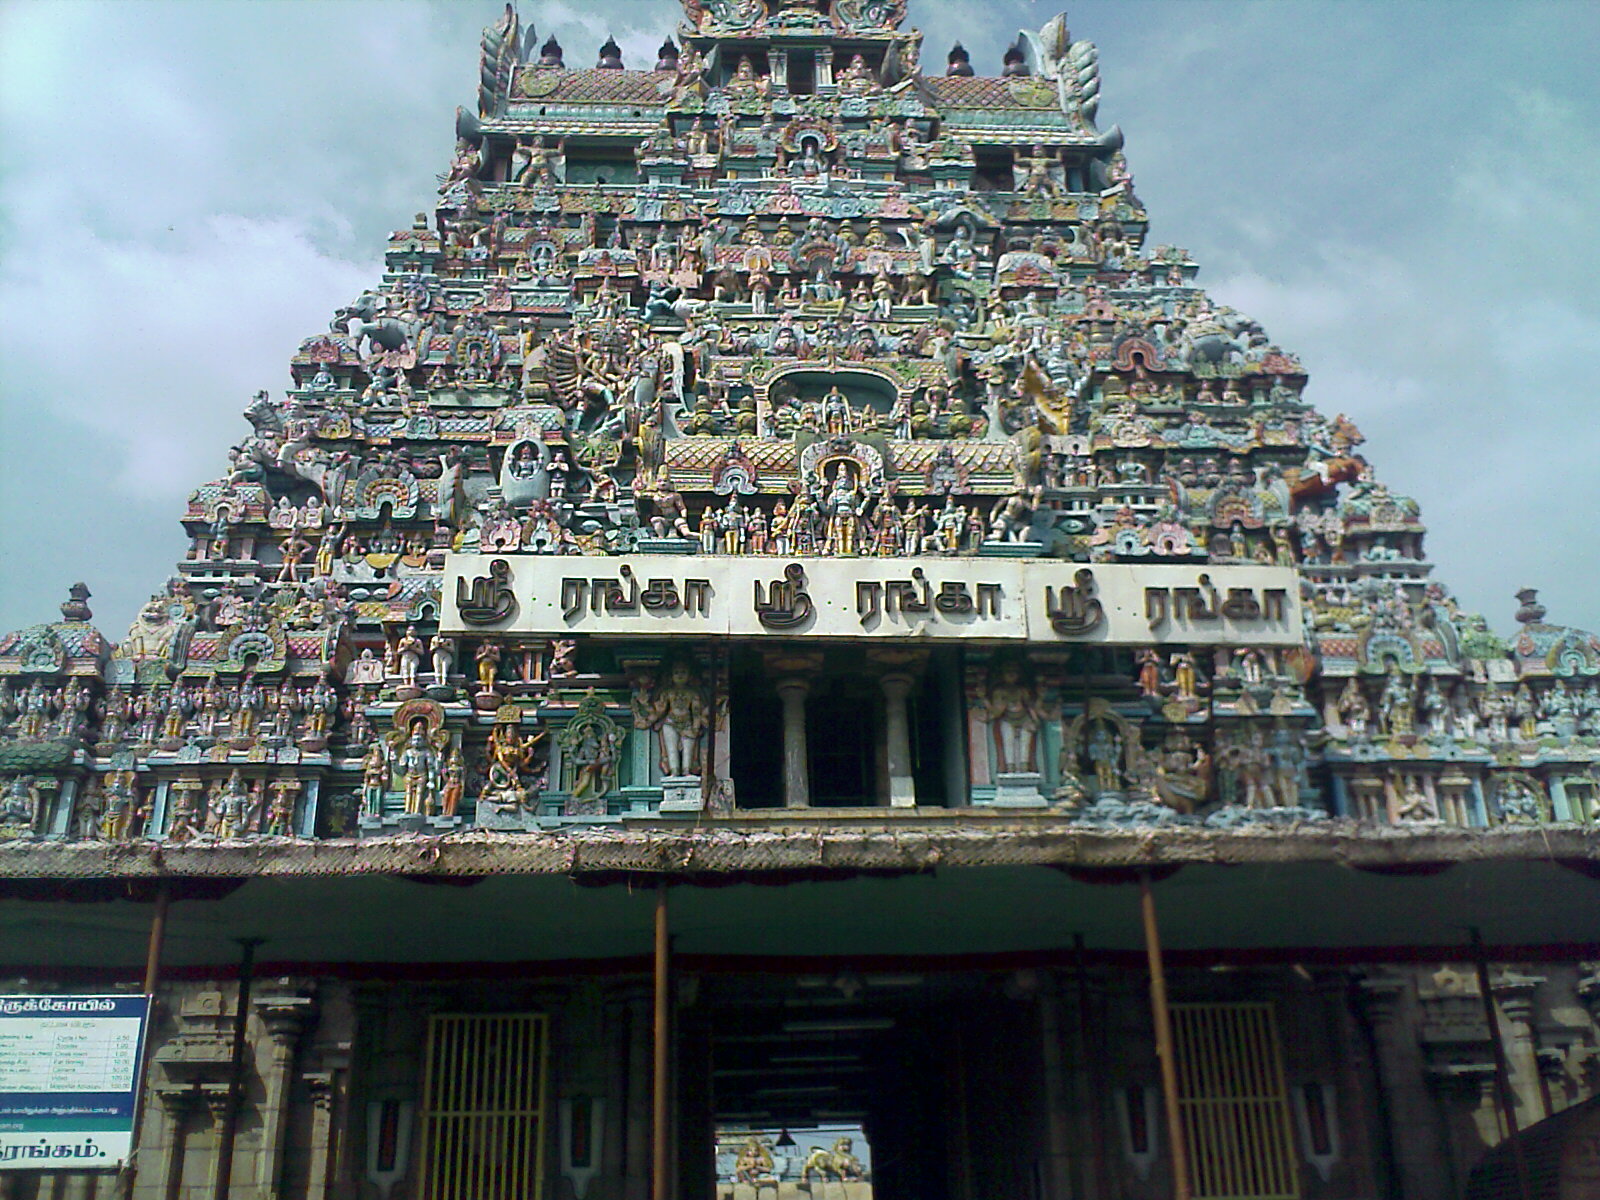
<point x="785" y="445"/>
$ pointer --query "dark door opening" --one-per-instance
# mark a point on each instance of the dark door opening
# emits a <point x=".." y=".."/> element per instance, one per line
<point x="756" y="735"/>
<point x="843" y="715"/>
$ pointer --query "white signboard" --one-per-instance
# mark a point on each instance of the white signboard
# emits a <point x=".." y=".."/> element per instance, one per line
<point x="69" y="1073"/>
<point x="919" y="599"/>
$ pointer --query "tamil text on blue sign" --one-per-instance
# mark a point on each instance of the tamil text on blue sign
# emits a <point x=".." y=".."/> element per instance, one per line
<point x="69" y="1073"/>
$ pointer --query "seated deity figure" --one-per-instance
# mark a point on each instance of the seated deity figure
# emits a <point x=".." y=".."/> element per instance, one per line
<point x="745" y="81"/>
<point x="857" y="79"/>
<point x="677" y="711"/>
<point x="961" y="255"/>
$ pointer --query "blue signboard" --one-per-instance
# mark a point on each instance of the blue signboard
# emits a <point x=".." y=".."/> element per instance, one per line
<point x="69" y="1075"/>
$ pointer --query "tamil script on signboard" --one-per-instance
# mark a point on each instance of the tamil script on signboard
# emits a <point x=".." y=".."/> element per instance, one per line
<point x="922" y="599"/>
<point x="69" y="1073"/>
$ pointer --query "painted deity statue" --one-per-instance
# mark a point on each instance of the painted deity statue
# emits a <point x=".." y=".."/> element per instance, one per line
<point x="1014" y="710"/>
<point x="677" y="711"/>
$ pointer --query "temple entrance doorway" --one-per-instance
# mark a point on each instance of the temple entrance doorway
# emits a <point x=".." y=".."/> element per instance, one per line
<point x="856" y="1086"/>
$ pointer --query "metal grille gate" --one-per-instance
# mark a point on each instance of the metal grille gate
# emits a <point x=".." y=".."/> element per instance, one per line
<point x="483" y="1119"/>
<point x="1234" y="1105"/>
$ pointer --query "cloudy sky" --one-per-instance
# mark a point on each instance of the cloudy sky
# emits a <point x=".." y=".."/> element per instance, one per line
<point x="1407" y="194"/>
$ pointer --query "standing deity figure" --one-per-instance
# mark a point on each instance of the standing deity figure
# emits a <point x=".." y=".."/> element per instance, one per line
<point x="248" y="706"/>
<point x="1394" y="706"/>
<point x="1104" y="746"/>
<point x="677" y="711"/>
<point x="836" y="414"/>
<point x="419" y="768"/>
<point x="1015" y="712"/>
<point x="488" y="661"/>
<point x="1251" y="762"/>
<point x="321" y="704"/>
<point x="842" y="512"/>
<point x="1353" y="710"/>
<point x="1286" y="758"/>
<point x="1433" y="709"/>
<point x="236" y="805"/>
<point x="280" y="810"/>
<point x="442" y="650"/>
<point x="374" y="780"/>
<point x="1149" y="663"/>
<point x="734" y="523"/>
<point x="408" y="657"/>
<point x="455" y="778"/>
<point x="121" y="806"/>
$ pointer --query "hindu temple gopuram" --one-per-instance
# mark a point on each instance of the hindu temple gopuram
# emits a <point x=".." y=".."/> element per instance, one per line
<point x="786" y="650"/>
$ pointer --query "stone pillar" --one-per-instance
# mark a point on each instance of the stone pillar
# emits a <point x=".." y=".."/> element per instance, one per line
<point x="218" y="1100"/>
<point x="977" y="728"/>
<point x="1416" y="1136"/>
<point x="283" y="1016"/>
<point x="163" y="1137"/>
<point x="323" y="1094"/>
<point x="796" y="778"/>
<point x="1515" y="992"/>
<point x="902" y="785"/>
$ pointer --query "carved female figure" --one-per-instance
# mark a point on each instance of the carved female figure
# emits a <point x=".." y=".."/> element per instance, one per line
<point x="374" y="780"/>
<point x="677" y="711"/>
<point x="1014" y="710"/>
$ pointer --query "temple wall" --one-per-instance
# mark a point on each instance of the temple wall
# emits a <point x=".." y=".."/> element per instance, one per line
<point x="1004" y="1096"/>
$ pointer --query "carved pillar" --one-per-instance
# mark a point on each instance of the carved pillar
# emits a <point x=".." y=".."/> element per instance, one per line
<point x="977" y="729"/>
<point x="1058" y="1157"/>
<point x="796" y="780"/>
<point x="1415" y="1133"/>
<point x="162" y="1140"/>
<point x="902" y="785"/>
<point x="1514" y="991"/>
<point x="283" y="1016"/>
<point x="323" y="1093"/>
<point x="1589" y="997"/>
<point x="218" y="1101"/>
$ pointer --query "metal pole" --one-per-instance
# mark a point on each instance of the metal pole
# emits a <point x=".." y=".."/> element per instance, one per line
<point x="1502" y="1072"/>
<point x="659" y="1099"/>
<point x="1163" y="1021"/>
<point x="158" y="937"/>
<point x="152" y="979"/>
<point x="230" y="1114"/>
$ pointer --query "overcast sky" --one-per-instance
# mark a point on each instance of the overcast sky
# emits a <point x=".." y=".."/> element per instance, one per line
<point x="1406" y="194"/>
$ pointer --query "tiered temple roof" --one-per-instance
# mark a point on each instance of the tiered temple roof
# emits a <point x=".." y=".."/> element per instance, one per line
<point x="790" y="295"/>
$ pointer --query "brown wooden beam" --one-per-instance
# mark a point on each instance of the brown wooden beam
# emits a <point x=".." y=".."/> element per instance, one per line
<point x="1177" y="1151"/>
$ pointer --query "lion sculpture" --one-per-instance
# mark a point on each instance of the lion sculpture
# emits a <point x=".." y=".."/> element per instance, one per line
<point x="838" y="1162"/>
